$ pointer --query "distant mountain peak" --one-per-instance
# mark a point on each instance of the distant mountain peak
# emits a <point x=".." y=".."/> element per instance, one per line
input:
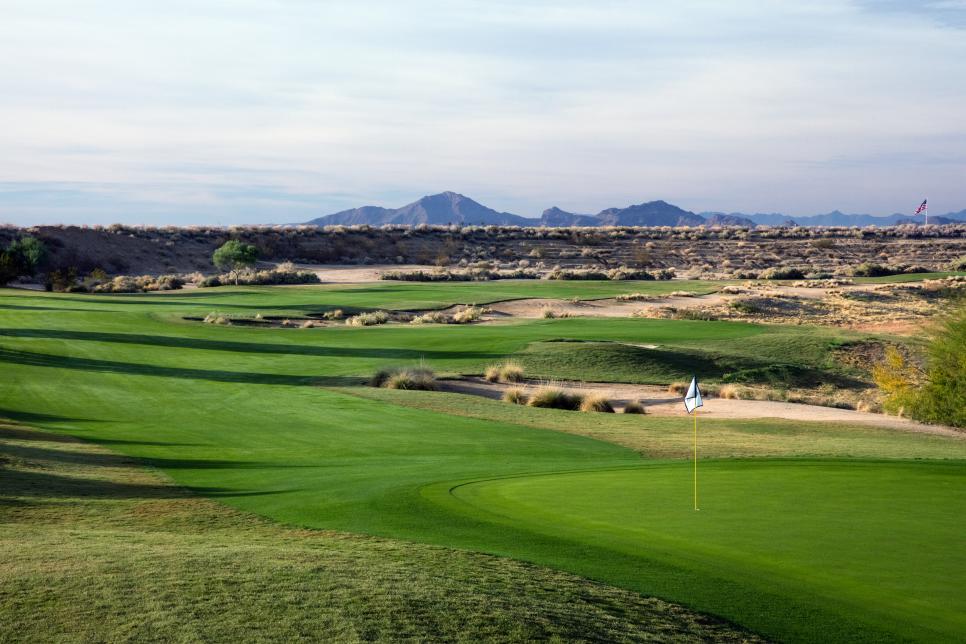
<point x="451" y="207"/>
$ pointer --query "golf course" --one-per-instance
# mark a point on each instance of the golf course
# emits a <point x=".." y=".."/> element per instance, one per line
<point x="271" y="440"/>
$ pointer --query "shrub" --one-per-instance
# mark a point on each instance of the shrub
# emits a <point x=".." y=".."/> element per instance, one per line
<point x="335" y="314"/>
<point x="368" y="319"/>
<point x="959" y="264"/>
<point x="634" y="297"/>
<point x="412" y="379"/>
<point x="733" y="392"/>
<point x="634" y="407"/>
<point x="217" y="318"/>
<point x="745" y="307"/>
<point x="868" y="269"/>
<point x="467" y="315"/>
<point x="678" y="387"/>
<point x="783" y="273"/>
<point x="140" y="284"/>
<point x="433" y="317"/>
<point x="596" y="402"/>
<point x="548" y="313"/>
<point x="409" y="378"/>
<point x="555" y="398"/>
<point x="504" y="372"/>
<point x="936" y="394"/>
<point x="261" y="278"/>
<point x="515" y="395"/>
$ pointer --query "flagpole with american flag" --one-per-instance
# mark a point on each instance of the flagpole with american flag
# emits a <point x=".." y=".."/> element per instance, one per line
<point x="924" y="209"/>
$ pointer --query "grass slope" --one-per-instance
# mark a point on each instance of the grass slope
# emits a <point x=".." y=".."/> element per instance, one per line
<point x="98" y="548"/>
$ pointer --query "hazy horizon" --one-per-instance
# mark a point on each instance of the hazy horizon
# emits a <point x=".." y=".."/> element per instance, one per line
<point x="283" y="111"/>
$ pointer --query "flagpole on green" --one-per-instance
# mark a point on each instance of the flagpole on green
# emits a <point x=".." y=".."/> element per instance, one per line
<point x="692" y="400"/>
<point x="695" y="459"/>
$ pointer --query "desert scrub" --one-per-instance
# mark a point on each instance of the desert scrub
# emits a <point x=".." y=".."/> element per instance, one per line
<point x="745" y="307"/>
<point x="634" y="297"/>
<point x="433" y="317"/>
<point x="555" y="398"/>
<point x="467" y="315"/>
<point x="335" y="314"/>
<point x="783" y="273"/>
<point x="284" y="274"/>
<point x="515" y="396"/>
<point x="368" y="319"/>
<point x="504" y="372"/>
<point x="596" y="402"/>
<point x="634" y="407"/>
<point x="410" y="378"/>
<point x="140" y="284"/>
<point x="958" y="264"/>
<point x="217" y="318"/>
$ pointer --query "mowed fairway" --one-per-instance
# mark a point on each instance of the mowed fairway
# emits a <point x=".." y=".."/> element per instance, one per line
<point x="265" y="420"/>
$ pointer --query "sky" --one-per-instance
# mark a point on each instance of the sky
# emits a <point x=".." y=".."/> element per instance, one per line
<point x="244" y="111"/>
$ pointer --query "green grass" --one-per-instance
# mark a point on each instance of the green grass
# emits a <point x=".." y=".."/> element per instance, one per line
<point x="270" y="421"/>
<point x="98" y="548"/>
<point x="753" y="360"/>
<point x="846" y="539"/>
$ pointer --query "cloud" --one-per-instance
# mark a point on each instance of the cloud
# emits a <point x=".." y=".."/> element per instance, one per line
<point x="261" y="111"/>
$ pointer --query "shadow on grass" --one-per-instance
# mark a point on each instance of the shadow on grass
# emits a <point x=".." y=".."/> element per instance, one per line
<point x="244" y="347"/>
<point x="28" y="473"/>
<point x="111" y="366"/>
<point x="108" y="459"/>
<point x="18" y="484"/>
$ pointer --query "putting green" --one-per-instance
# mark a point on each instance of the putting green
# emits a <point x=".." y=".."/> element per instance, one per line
<point x="872" y="542"/>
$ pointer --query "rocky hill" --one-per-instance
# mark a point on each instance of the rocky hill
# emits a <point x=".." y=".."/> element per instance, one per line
<point x="454" y="208"/>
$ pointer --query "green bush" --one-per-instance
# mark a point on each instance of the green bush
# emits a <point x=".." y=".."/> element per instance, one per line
<point x="783" y="273"/>
<point x="958" y="264"/>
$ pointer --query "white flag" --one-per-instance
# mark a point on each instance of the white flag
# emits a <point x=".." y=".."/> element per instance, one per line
<point x="692" y="399"/>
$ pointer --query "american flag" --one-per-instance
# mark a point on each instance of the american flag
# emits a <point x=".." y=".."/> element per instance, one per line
<point x="921" y="207"/>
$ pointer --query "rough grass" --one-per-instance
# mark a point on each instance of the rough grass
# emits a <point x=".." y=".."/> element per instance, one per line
<point x="97" y="548"/>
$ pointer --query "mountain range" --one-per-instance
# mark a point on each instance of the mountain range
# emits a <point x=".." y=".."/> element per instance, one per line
<point x="454" y="208"/>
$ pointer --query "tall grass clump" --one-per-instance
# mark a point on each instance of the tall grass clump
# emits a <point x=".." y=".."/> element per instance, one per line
<point x="596" y="402"/>
<point x="467" y="315"/>
<point x="634" y="407"/>
<point x="515" y="395"/>
<point x="504" y="372"/>
<point x="432" y="317"/>
<point x="555" y="398"/>
<point x="368" y="319"/>
<point x="409" y="378"/>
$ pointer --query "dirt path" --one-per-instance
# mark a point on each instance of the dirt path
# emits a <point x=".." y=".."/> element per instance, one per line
<point x="659" y="402"/>
<point x="353" y="274"/>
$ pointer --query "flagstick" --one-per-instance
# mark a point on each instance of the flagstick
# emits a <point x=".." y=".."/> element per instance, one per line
<point x="695" y="458"/>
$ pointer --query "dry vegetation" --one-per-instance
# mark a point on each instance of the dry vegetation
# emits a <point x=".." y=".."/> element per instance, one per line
<point x="704" y="251"/>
